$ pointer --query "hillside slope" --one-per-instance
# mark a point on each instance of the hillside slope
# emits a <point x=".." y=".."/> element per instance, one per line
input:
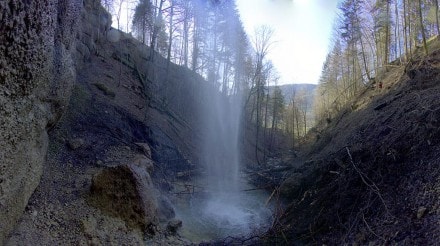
<point x="122" y="108"/>
<point x="372" y="174"/>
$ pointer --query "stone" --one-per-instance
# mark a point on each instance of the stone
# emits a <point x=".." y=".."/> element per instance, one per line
<point x="37" y="73"/>
<point x="173" y="225"/>
<point x="166" y="209"/>
<point x="126" y="192"/>
<point x="420" y="212"/>
<point x="292" y="185"/>
<point x="75" y="143"/>
<point x="145" y="149"/>
<point x="113" y="35"/>
<point x="144" y="162"/>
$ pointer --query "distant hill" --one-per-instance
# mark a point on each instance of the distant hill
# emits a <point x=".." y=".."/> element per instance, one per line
<point x="290" y="89"/>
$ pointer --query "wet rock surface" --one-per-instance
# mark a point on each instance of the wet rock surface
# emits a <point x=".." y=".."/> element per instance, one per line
<point x="37" y="71"/>
<point x="173" y="226"/>
<point x="94" y="134"/>
<point x="126" y="192"/>
<point x="92" y="119"/>
<point x="75" y="143"/>
<point x="35" y="82"/>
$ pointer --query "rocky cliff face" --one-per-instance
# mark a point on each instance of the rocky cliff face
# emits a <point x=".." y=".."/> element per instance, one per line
<point x="37" y="43"/>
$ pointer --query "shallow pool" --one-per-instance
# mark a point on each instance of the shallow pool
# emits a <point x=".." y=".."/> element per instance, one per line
<point x="217" y="215"/>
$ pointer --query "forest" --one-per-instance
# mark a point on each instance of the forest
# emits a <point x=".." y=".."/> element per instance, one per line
<point x="165" y="122"/>
<point x="371" y="40"/>
<point x="208" y="38"/>
<point x="370" y="37"/>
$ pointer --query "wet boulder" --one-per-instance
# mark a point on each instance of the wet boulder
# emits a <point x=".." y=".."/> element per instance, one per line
<point x="166" y="209"/>
<point x="145" y="149"/>
<point x="127" y="192"/>
<point x="75" y="143"/>
<point x="144" y="162"/>
<point x="174" y="225"/>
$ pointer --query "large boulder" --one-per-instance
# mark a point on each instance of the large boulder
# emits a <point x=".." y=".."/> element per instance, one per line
<point x="127" y="192"/>
<point x="292" y="186"/>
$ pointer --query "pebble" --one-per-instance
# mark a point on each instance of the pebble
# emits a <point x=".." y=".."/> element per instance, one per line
<point x="420" y="212"/>
<point x="75" y="143"/>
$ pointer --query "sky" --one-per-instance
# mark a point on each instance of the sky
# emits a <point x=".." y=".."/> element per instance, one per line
<point x="302" y="34"/>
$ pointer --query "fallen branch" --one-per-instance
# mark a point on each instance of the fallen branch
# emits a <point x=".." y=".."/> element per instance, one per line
<point x="270" y="197"/>
<point x="259" y="188"/>
<point x="370" y="184"/>
<point x="369" y="228"/>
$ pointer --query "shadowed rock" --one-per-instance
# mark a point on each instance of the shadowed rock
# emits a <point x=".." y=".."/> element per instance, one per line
<point x="127" y="192"/>
<point x="173" y="226"/>
<point x="37" y="70"/>
<point x="75" y="143"/>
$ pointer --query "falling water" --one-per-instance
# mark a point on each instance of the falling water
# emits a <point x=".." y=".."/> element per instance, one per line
<point x="220" y="149"/>
<point x="225" y="210"/>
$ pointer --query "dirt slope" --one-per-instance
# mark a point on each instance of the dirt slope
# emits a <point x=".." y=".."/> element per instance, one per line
<point x="111" y="110"/>
<point x="372" y="174"/>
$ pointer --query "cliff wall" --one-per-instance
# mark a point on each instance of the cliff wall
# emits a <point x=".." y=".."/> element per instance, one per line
<point x="41" y="44"/>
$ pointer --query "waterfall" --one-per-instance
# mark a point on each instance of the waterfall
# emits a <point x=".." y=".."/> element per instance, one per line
<point x="220" y="144"/>
<point x="223" y="209"/>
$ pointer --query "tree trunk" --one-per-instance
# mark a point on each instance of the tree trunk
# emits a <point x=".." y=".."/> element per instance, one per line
<point x="257" y="122"/>
<point x="405" y="32"/>
<point x="364" y="59"/>
<point x="144" y="24"/>
<point x="436" y="17"/>
<point x="293" y="120"/>
<point x="396" y="32"/>
<point x="410" y="30"/>
<point x="386" y="57"/>
<point x="274" y="123"/>
<point x="195" y="52"/>
<point x="185" y="34"/>
<point x="422" y="28"/>
<point x="155" y="30"/>
<point x="170" y="39"/>
<point x="265" y="126"/>
<point x="297" y="123"/>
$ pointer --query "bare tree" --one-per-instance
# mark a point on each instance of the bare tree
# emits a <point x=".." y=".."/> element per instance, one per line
<point x="157" y="24"/>
<point x="143" y="19"/>
<point x="108" y="4"/>
<point x="262" y="41"/>
<point x="118" y="13"/>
